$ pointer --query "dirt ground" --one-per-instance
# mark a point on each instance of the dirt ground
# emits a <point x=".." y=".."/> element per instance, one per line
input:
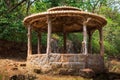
<point x="10" y="68"/>
<point x="13" y="66"/>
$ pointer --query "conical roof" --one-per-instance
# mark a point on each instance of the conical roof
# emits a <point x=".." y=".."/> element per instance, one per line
<point x="64" y="18"/>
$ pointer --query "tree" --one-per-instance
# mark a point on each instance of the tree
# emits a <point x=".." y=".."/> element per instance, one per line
<point x="12" y="13"/>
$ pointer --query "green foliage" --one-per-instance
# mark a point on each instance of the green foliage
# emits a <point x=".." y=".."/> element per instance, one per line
<point x="110" y="49"/>
<point x="11" y="27"/>
<point x="112" y="32"/>
<point x="39" y="6"/>
<point x="44" y="38"/>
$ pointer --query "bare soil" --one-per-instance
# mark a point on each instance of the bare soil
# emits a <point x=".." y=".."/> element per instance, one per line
<point x="13" y="66"/>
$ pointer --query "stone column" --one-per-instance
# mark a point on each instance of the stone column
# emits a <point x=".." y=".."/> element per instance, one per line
<point x="90" y="42"/>
<point x="29" y="51"/>
<point x="49" y="36"/>
<point x="39" y="42"/>
<point x="84" y="43"/>
<point x="101" y="42"/>
<point x="64" y="38"/>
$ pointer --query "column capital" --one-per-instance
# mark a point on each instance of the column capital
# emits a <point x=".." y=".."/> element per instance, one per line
<point x="86" y="21"/>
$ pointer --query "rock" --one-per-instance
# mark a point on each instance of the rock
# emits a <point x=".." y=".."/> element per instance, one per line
<point x="14" y="77"/>
<point x="15" y="68"/>
<point x="89" y="73"/>
<point x="38" y="71"/>
<point x="17" y="77"/>
<point x="23" y="65"/>
<point x="22" y="77"/>
<point x="52" y="59"/>
<point x="46" y="68"/>
<point x="63" y="71"/>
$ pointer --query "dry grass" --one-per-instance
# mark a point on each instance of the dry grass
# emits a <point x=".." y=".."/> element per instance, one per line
<point x="8" y="69"/>
<point x="114" y="66"/>
<point x="49" y="77"/>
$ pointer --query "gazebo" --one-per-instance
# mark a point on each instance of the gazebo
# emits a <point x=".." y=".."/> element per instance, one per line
<point x="65" y="19"/>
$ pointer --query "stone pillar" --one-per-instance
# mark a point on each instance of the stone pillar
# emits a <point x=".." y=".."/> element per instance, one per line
<point x="84" y="43"/>
<point x="49" y="35"/>
<point x="90" y="42"/>
<point x="64" y="38"/>
<point x="39" y="42"/>
<point x="29" y="51"/>
<point x="101" y="42"/>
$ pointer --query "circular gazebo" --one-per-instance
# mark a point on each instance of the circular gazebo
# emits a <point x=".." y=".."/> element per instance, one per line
<point x="65" y="19"/>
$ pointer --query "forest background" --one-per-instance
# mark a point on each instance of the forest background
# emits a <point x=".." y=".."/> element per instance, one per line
<point x="12" y="13"/>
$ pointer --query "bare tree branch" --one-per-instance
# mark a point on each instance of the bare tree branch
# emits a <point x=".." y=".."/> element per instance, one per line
<point x="7" y="3"/>
<point x="14" y="7"/>
<point x="28" y="6"/>
<point x="94" y="6"/>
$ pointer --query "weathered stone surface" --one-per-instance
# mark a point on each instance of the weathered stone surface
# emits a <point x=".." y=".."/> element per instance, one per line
<point x="66" y="63"/>
<point x="89" y="73"/>
<point x="46" y="68"/>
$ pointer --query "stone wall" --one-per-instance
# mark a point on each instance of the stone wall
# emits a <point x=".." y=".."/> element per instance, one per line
<point x="65" y="63"/>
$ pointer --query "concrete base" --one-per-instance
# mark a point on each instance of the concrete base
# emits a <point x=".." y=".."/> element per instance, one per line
<point x="72" y="64"/>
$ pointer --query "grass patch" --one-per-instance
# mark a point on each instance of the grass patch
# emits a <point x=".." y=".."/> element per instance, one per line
<point x="0" y="77"/>
<point x="55" y="77"/>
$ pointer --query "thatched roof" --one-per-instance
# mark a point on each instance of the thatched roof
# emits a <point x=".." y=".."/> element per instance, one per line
<point x="64" y="18"/>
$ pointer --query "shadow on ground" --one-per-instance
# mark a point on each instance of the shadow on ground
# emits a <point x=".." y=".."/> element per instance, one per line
<point x="107" y="76"/>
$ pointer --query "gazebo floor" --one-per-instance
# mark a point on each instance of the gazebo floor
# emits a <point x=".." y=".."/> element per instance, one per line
<point x="73" y="64"/>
